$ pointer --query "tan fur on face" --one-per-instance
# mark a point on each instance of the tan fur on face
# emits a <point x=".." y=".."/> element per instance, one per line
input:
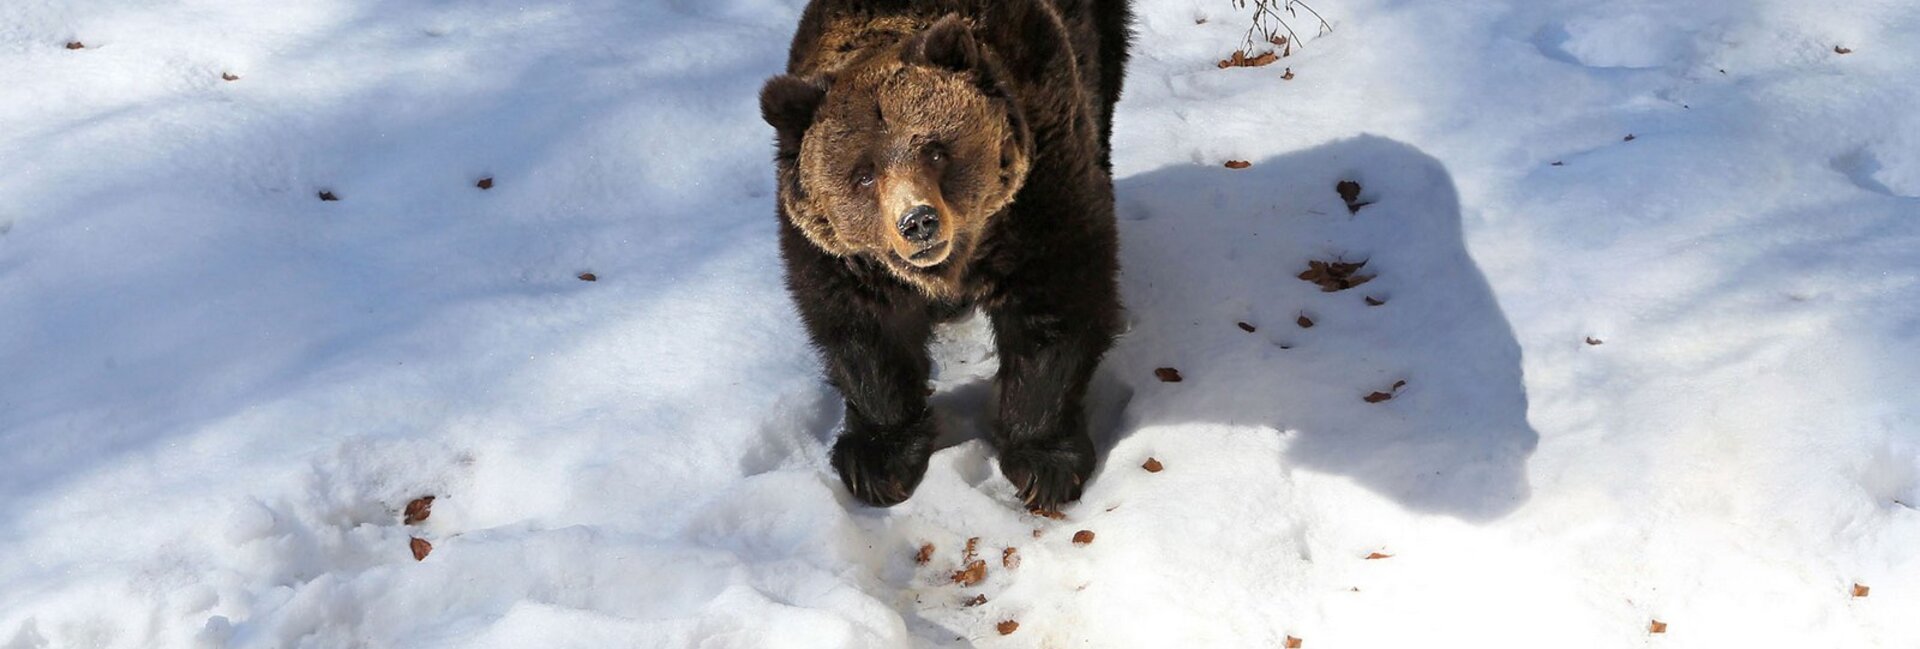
<point x="902" y="190"/>
<point x="882" y="114"/>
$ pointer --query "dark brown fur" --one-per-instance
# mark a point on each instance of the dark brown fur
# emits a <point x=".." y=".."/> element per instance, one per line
<point x="995" y="117"/>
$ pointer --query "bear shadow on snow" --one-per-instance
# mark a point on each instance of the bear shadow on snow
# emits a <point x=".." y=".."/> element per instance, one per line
<point x="1205" y="249"/>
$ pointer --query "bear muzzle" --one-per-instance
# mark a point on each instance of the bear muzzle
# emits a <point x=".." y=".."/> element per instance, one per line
<point x="922" y="230"/>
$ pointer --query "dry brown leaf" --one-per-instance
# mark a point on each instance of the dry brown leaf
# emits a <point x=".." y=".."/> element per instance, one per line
<point x="1593" y="341"/>
<point x="1238" y="164"/>
<point x="1246" y="327"/>
<point x="1657" y="627"/>
<point x="972" y="552"/>
<point x="1378" y="397"/>
<point x="1287" y="76"/>
<point x="1293" y="642"/>
<point x="1860" y="590"/>
<point x="1007" y="627"/>
<point x="1837" y="49"/>
<point x="229" y="76"/>
<point x="975" y="601"/>
<point x="1083" y="537"/>
<point x="420" y="548"/>
<point x="485" y="183"/>
<point x="1378" y="555"/>
<point x="1152" y="465"/>
<point x="1628" y="138"/>
<point x="924" y="555"/>
<point x="418" y="510"/>
<point x="1010" y="558"/>
<point x="1167" y="375"/>
<point x="972" y="574"/>
<point x="1350" y="194"/>
<point x="75" y="45"/>
<point x="1054" y="514"/>
<point x="1304" y="321"/>
<point x="328" y="196"/>
<point x="589" y="277"/>
<point x="1332" y="276"/>
<point x="1239" y="59"/>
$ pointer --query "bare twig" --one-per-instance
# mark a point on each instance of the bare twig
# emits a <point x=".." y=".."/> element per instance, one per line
<point x="1269" y="23"/>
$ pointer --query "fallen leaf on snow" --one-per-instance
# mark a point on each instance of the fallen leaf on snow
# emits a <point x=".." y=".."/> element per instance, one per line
<point x="1593" y="341"/>
<point x="1860" y="590"/>
<point x="1287" y="76"/>
<point x="1152" y="465"/>
<point x="976" y="601"/>
<point x="1350" y="194"/>
<point x="1378" y="397"/>
<point x="972" y="552"/>
<point x="1238" y="164"/>
<point x="924" y="555"/>
<point x="1007" y="627"/>
<point x="75" y="45"/>
<point x="1239" y="59"/>
<point x="1293" y="642"/>
<point x="328" y="196"/>
<point x="1332" y="276"/>
<point x="1083" y="537"/>
<point x="420" y="548"/>
<point x="1245" y="327"/>
<point x="1167" y="375"/>
<point x="973" y="573"/>
<point x="1657" y="627"/>
<point x="418" y="510"/>
<point x="1837" y="49"/>
<point x="229" y="76"/>
<point x="485" y="183"/>
<point x="589" y="277"/>
<point x="1374" y="301"/>
<point x="1378" y="555"/>
<point x="1010" y="558"/>
<point x="1304" y="321"/>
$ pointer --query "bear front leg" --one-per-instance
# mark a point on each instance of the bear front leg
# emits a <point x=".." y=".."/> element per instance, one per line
<point x="1047" y="357"/>
<point x="878" y="360"/>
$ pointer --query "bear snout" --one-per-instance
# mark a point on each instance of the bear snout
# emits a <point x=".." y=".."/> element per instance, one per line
<point x="920" y="227"/>
<point x="920" y="224"/>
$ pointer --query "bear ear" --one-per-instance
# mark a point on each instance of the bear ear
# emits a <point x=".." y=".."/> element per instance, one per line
<point x="788" y="103"/>
<point x="947" y="44"/>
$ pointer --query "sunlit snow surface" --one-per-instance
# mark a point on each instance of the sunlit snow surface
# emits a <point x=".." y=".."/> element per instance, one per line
<point x="217" y="391"/>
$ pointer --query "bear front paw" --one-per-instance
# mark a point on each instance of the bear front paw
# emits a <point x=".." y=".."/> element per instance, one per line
<point x="882" y="469"/>
<point x="1050" y="474"/>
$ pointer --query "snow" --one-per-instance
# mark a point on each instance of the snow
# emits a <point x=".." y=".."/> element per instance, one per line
<point x="217" y="391"/>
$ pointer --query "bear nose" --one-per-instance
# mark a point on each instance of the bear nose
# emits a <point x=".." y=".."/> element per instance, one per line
<point x="920" y="223"/>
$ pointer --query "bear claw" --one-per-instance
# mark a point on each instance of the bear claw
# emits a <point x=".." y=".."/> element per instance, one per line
<point x="1048" y="477"/>
<point x="882" y="470"/>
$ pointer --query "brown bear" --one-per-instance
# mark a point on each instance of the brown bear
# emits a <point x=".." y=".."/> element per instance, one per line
<point x="936" y="156"/>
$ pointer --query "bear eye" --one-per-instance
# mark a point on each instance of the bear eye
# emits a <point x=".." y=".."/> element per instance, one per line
<point x="862" y="177"/>
<point x="936" y="152"/>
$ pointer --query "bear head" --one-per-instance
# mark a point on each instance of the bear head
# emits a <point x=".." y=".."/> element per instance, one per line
<point x="904" y="155"/>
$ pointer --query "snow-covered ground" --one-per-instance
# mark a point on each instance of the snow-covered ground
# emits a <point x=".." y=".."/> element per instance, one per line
<point x="217" y="391"/>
